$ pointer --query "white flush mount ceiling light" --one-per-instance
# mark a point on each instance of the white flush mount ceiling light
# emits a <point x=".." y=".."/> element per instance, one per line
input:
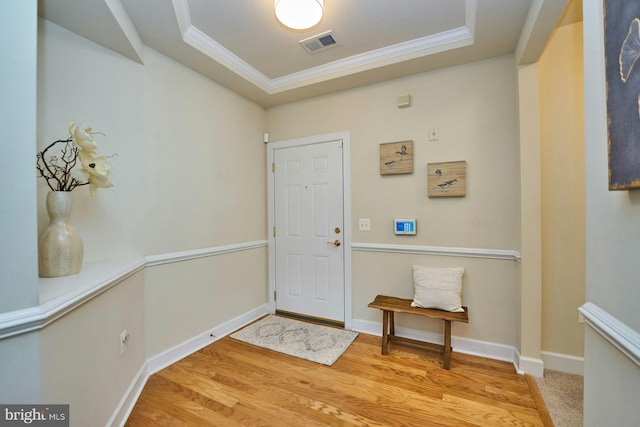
<point x="299" y="14"/>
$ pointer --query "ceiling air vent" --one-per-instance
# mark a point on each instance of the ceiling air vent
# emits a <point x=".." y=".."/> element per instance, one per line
<point x="320" y="42"/>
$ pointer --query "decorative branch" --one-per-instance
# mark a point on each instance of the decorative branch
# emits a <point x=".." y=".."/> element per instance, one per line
<point x="63" y="173"/>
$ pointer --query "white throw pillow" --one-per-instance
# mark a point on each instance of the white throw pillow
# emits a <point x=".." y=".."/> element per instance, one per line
<point x="437" y="287"/>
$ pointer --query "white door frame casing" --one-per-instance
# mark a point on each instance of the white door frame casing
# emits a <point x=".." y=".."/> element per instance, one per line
<point x="346" y="194"/>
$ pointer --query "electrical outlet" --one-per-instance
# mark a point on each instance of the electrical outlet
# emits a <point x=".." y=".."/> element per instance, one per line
<point x="433" y="134"/>
<point x="124" y="338"/>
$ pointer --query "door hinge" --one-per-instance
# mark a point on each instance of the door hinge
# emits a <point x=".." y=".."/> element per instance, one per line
<point x="275" y="295"/>
<point x="274" y="232"/>
<point x="273" y="167"/>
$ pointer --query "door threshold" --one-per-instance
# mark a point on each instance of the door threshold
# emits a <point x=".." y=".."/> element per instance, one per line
<point x="311" y="319"/>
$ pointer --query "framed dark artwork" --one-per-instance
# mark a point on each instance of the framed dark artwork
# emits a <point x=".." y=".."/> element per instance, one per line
<point x="622" y="51"/>
<point x="448" y="179"/>
<point x="396" y="158"/>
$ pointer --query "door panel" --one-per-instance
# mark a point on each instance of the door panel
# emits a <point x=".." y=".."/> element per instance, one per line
<point x="308" y="204"/>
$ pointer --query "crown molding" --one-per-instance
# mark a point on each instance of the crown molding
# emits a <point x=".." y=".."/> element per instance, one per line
<point x="424" y="46"/>
<point x="420" y="47"/>
<point x="195" y="38"/>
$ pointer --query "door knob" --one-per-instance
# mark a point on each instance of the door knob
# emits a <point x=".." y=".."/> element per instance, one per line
<point x="334" y="243"/>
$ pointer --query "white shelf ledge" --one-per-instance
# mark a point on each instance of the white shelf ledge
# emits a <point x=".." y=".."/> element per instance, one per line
<point x="60" y="295"/>
<point x="93" y="279"/>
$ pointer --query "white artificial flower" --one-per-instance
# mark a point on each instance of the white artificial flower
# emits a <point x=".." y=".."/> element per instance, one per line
<point x="83" y="138"/>
<point x="96" y="170"/>
<point x="75" y="164"/>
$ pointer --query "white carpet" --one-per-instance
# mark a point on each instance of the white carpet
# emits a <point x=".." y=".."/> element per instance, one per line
<point x="316" y="343"/>
<point x="562" y="394"/>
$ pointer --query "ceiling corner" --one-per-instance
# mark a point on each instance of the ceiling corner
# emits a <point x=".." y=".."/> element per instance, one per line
<point x="128" y="28"/>
<point x="105" y="22"/>
<point x="541" y="21"/>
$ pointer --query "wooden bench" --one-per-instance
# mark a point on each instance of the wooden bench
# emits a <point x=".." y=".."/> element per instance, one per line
<point x="392" y="305"/>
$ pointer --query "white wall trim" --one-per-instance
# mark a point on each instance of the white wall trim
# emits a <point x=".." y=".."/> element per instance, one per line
<point x="438" y="250"/>
<point x="450" y="39"/>
<point x="613" y="330"/>
<point x="60" y="296"/>
<point x="128" y="28"/>
<point x="563" y="362"/>
<point x="201" y="253"/>
<point x="130" y="397"/>
<point x="486" y="349"/>
<point x="530" y="365"/>
<point x="162" y="360"/>
<point x="490" y="350"/>
<point x="346" y="203"/>
<point x="166" y="358"/>
<point x="537" y="28"/>
<point x="180" y="351"/>
<point x="423" y="46"/>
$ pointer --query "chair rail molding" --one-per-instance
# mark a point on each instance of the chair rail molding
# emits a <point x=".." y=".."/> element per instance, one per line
<point x="613" y="330"/>
<point x="201" y="253"/>
<point x="61" y="295"/>
<point x="438" y="250"/>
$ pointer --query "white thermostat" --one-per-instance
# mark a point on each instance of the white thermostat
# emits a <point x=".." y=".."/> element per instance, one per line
<point x="404" y="226"/>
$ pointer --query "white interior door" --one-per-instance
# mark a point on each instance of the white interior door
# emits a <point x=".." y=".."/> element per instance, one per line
<point x="309" y="223"/>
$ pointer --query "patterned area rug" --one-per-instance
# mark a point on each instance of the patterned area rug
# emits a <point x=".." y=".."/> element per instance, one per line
<point x="316" y="343"/>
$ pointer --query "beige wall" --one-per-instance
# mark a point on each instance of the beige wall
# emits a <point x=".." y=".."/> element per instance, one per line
<point x="189" y="174"/>
<point x="190" y="165"/>
<point x="19" y="371"/>
<point x="488" y="290"/>
<point x="611" y="379"/>
<point x="475" y="108"/>
<point x="530" y="292"/>
<point x="186" y="299"/>
<point x="18" y="261"/>
<point x="563" y="202"/>
<point x="80" y="356"/>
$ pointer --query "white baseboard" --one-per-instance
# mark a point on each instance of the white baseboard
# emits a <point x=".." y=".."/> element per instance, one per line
<point x="461" y="345"/>
<point x="530" y="365"/>
<point x="128" y="401"/>
<point x="563" y="363"/>
<point x="490" y="350"/>
<point x="180" y="351"/>
<point x="174" y="354"/>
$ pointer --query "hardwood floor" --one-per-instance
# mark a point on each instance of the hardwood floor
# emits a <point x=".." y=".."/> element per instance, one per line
<point x="230" y="383"/>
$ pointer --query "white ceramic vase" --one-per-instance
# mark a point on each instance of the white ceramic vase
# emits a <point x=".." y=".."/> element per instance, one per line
<point x="60" y="248"/>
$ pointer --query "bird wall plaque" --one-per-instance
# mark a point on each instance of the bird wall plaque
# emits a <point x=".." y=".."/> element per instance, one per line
<point x="448" y="179"/>
<point x="396" y="158"/>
